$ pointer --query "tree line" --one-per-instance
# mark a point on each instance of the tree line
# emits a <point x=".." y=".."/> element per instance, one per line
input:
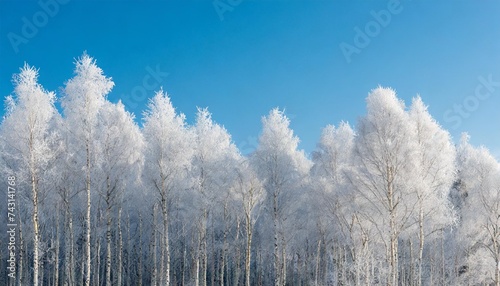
<point x="102" y="201"/>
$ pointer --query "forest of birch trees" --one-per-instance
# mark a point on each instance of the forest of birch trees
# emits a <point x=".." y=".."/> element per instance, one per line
<point x="104" y="198"/>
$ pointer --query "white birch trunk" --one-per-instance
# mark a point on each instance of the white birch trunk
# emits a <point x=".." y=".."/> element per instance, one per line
<point x="166" y="240"/>
<point x="87" y="219"/>
<point x="248" y="250"/>
<point x="36" y="233"/>
<point x="139" y="260"/>
<point x="153" y="248"/>
<point x="20" y="277"/>
<point x="57" y="250"/>
<point x="108" y="245"/>
<point x="119" y="259"/>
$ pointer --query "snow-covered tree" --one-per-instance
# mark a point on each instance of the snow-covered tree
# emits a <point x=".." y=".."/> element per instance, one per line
<point x="479" y="230"/>
<point x="435" y="172"/>
<point x="250" y="191"/>
<point x="30" y="144"/>
<point x="85" y="95"/>
<point x="281" y="167"/>
<point x="120" y="148"/>
<point x="213" y="171"/>
<point x="385" y="158"/>
<point x="332" y="199"/>
<point x="168" y="156"/>
<point x="333" y="153"/>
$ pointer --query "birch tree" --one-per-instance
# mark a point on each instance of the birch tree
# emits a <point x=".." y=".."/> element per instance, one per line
<point x="479" y="229"/>
<point x="85" y="94"/>
<point x="212" y="172"/>
<point x="167" y="158"/>
<point x="251" y="191"/>
<point x="436" y="174"/>
<point x="30" y="143"/>
<point x="336" y="215"/>
<point x="281" y="167"/>
<point x="120" y="146"/>
<point x="384" y="180"/>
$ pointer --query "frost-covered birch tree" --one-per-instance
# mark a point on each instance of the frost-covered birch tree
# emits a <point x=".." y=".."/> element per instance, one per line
<point x="30" y="144"/>
<point x="281" y="167"/>
<point x="335" y="213"/>
<point x="85" y="94"/>
<point x="435" y="171"/>
<point x="168" y="156"/>
<point x="250" y="191"/>
<point x="212" y="173"/>
<point x="120" y="149"/>
<point x="479" y="228"/>
<point x="384" y="175"/>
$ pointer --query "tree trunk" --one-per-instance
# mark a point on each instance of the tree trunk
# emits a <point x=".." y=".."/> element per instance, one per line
<point x="139" y="259"/>
<point x="36" y="233"/>
<point x="421" y="245"/>
<point x="318" y="256"/>
<point x="204" y="259"/>
<point x="108" y="243"/>
<point x="214" y="255"/>
<point x="283" y="268"/>
<point x="119" y="269"/>
<point x="238" y="255"/>
<point x="20" y="278"/>
<point x="277" y="257"/>
<point x="248" y="251"/>
<point x="166" y="242"/>
<point x="497" y="271"/>
<point x="129" y="252"/>
<point x="184" y="263"/>
<point x="412" y="279"/>
<point x="262" y="278"/>
<point x="394" y="267"/>
<point x="87" y="218"/>
<point x="57" y="243"/>
<point x="153" y="248"/>
<point x="197" y="262"/>
<point x="393" y="234"/>
<point x="443" y="259"/>
<point x="162" y="260"/>
<point x="98" y="264"/>
<point x="69" y="252"/>
<point x="223" y="252"/>
<point x="83" y="264"/>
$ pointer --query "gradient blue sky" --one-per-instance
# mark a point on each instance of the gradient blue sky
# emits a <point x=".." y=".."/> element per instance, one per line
<point x="266" y="54"/>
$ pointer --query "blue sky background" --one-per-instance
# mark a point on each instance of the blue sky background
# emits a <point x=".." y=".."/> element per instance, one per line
<point x="274" y="53"/>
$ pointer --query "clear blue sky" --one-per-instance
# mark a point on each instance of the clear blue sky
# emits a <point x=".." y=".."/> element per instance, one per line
<point x="257" y="55"/>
